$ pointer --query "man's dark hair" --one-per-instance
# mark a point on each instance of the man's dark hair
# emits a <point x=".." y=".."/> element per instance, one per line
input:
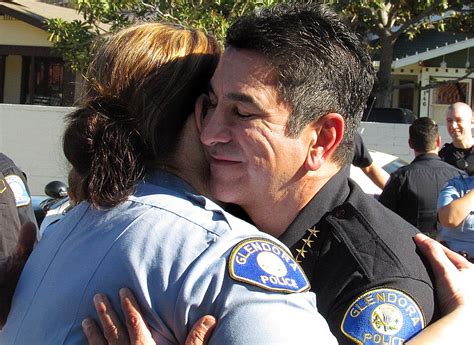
<point x="322" y="66"/>
<point x="423" y="134"/>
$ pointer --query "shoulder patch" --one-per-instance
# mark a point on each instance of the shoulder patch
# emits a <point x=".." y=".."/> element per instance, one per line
<point x="266" y="264"/>
<point x="382" y="316"/>
<point x="22" y="197"/>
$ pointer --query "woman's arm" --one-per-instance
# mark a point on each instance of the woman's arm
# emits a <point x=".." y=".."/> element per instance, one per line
<point x="454" y="277"/>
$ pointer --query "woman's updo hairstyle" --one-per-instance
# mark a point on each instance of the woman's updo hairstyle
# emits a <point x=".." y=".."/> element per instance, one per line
<point x="138" y="92"/>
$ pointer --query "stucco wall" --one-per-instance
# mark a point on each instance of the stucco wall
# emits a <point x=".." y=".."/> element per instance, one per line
<point x="393" y="138"/>
<point x="15" y="32"/>
<point x="31" y="136"/>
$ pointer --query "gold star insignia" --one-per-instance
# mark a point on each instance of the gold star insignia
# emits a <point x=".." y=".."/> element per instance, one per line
<point x="306" y="244"/>
<point x="301" y="252"/>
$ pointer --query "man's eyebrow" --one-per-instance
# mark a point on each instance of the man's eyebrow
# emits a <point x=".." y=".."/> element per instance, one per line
<point x="234" y="96"/>
<point x="240" y="97"/>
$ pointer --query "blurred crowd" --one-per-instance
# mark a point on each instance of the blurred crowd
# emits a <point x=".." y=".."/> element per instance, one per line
<point x="433" y="192"/>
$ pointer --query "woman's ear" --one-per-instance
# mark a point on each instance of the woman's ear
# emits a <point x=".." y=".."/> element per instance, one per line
<point x="325" y="136"/>
<point x="200" y="111"/>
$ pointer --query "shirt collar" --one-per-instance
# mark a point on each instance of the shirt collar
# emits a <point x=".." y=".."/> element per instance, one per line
<point x="162" y="178"/>
<point x="426" y="156"/>
<point x="333" y="194"/>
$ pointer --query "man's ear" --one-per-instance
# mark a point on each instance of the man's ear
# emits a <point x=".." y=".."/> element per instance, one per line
<point x="326" y="135"/>
<point x="410" y="143"/>
<point x="438" y="142"/>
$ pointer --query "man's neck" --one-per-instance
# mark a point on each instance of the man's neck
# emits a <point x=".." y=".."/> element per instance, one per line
<point x="419" y="153"/>
<point x="275" y="215"/>
<point x="463" y="144"/>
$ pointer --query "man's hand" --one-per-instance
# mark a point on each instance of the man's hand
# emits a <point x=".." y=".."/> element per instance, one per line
<point x="454" y="275"/>
<point x="11" y="267"/>
<point x="136" y="332"/>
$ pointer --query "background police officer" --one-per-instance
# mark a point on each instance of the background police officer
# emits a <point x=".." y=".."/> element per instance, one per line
<point x="9" y="221"/>
<point x="460" y="151"/>
<point x="412" y="191"/>
<point x="16" y="180"/>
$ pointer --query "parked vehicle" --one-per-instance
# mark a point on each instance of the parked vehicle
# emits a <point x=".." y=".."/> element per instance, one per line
<point x="51" y="207"/>
<point x="389" y="115"/>
<point x="387" y="162"/>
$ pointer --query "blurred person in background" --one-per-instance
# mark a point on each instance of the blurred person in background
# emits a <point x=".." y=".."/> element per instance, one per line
<point x="459" y="152"/>
<point x="13" y="184"/>
<point x="412" y="191"/>
<point x="456" y="215"/>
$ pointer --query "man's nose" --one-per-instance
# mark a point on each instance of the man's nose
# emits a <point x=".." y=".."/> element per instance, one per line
<point x="215" y="128"/>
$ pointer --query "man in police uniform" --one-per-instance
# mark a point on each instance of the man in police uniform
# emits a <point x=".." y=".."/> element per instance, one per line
<point x="412" y="191"/>
<point x="283" y="106"/>
<point x="17" y="181"/>
<point x="459" y="152"/>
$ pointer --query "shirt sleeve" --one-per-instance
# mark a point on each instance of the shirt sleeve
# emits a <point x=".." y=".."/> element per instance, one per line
<point x="361" y="157"/>
<point x="447" y="195"/>
<point x="248" y="313"/>
<point x="17" y="180"/>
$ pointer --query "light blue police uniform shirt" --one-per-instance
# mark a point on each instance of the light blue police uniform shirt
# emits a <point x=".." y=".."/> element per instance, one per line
<point x="462" y="237"/>
<point x="173" y="248"/>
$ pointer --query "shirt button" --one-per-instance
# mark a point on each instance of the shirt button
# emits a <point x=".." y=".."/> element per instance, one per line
<point x="340" y="213"/>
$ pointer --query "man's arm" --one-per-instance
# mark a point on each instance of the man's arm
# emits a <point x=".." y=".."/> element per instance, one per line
<point x="363" y="160"/>
<point x="453" y="214"/>
<point x="11" y="267"/>
<point x="376" y="174"/>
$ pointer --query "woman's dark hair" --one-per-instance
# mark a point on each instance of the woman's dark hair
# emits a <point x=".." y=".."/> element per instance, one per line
<point x="138" y="92"/>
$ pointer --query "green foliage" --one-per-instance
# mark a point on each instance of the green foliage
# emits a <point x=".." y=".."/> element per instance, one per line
<point x="390" y="19"/>
<point x="74" y="40"/>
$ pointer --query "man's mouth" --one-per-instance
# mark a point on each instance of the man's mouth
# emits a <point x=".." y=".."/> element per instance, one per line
<point x="222" y="160"/>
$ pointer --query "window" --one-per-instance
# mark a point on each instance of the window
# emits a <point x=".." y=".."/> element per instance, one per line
<point x="43" y="80"/>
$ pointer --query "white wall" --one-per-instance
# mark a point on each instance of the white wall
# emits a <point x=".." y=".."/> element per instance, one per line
<point x="31" y="135"/>
<point x="393" y="138"/>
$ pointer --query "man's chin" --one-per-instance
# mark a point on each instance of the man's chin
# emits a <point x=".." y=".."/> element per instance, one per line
<point x="223" y="192"/>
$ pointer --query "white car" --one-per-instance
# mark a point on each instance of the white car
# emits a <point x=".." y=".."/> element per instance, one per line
<point x="387" y="162"/>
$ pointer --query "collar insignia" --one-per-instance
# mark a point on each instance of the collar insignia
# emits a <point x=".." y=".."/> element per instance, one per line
<point x="307" y="241"/>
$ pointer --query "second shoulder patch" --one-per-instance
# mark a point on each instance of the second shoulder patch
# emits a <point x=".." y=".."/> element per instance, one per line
<point x="382" y="316"/>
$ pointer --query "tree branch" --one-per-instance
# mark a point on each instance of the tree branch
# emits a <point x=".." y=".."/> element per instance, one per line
<point x="426" y="13"/>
